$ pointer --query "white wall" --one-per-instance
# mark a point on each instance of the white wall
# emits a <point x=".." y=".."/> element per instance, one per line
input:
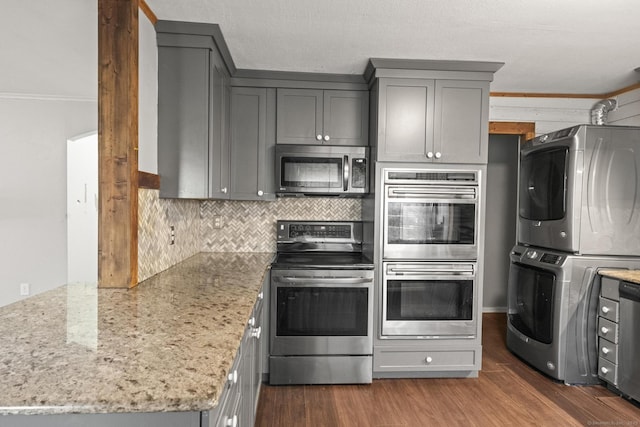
<point x="628" y="111"/>
<point x="34" y="135"/>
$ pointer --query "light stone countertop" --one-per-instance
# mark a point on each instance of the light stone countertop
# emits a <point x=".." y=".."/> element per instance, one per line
<point x="626" y="275"/>
<point x="165" y="345"/>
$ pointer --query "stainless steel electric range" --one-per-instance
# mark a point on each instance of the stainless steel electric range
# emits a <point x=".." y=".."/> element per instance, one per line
<point x="321" y="301"/>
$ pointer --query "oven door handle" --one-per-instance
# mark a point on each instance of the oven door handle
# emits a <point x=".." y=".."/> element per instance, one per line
<point x="325" y="280"/>
<point x="434" y="193"/>
<point x="421" y="271"/>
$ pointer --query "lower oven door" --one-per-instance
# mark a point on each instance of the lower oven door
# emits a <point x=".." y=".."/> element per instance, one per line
<point x="429" y="300"/>
<point x="321" y="312"/>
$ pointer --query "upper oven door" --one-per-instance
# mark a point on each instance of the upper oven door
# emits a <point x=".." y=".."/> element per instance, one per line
<point x="430" y="222"/>
<point x="321" y="312"/>
<point x="331" y="170"/>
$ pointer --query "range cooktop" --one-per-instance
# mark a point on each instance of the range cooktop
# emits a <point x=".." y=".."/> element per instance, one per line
<point x="317" y="260"/>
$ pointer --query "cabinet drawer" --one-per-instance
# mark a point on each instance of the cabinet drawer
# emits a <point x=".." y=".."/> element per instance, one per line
<point x="609" y="288"/>
<point x="608" y="371"/>
<point x="608" y="309"/>
<point x="608" y="329"/>
<point x="424" y="360"/>
<point x="608" y="350"/>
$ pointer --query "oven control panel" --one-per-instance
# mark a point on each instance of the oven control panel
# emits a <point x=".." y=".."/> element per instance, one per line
<point x="319" y="231"/>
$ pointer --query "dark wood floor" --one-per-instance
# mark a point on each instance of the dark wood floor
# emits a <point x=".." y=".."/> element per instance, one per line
<point x="507" y="393"/>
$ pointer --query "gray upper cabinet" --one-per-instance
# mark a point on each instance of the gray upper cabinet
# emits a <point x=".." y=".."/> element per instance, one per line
<point x="252" y="135"/>
<point x="314" y="116"/>
<point x="430" y="110"/>
<point x="193" y="115"/>
<point x="183" y="121"/>
<point x="433" y="120"/>
<point x="461" y="125"/>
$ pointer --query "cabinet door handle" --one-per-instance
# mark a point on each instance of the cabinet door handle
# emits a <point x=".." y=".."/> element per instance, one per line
<point x="233" y="377"/>
<point x="326" y="138"/>
<point x="605" y="309"/>
<point x="256" y="332"/>
<point x="260" y="193"/>
<point x="604" y="370"/>
<point x="438" y="154"/>
<point x="604" y="329"/>
<point x="429" y="155"/>
<point x="224" y="190"/>
<point x="319" y="137"/>
<point x="428" y="360"/>
<point x="605" y="350"/>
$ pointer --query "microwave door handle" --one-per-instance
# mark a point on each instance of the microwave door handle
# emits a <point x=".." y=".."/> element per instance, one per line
<point x="346" y="173"/>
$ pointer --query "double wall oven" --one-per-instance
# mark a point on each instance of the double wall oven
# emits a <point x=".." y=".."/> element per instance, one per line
<point x="429" y="253"/>
<point x="321" y="329"/>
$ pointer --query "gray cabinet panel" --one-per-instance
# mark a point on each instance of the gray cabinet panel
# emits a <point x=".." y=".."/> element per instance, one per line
<point x="183" y="121"/>
<point x="461" y="131"/>
<point x="252" y="135"/>
<point x="151" y="419"/>
<point x="346" y="117"/>
<point x="405" y="119"/>
<point x="219" y="142"/>
<point x="193" y="115"/>
<point x="333" y="117"/>
<point x="299" y="116"/>
<point x="423" y="120"/>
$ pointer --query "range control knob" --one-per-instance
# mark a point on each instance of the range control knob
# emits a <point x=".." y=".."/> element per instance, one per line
<point x="532" y="254"/>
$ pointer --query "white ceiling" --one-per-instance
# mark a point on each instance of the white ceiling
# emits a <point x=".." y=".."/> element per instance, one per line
<point x="548" y="46"/>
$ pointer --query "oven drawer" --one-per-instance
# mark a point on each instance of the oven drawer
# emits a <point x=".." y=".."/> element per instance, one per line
<point x="394" y="359"/>
<point x="608" y="371"/>
<point x="608" y="309"/>
<point x="608" y="329"/>
<point x="608" y="350"/>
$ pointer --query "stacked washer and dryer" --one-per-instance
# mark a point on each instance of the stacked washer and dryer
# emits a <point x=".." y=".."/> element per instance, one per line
<point x="579" y="212"/>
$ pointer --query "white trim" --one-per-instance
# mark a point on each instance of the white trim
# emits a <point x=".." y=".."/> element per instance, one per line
<point x="494" y="309"/>
<point x="45" y="97"/>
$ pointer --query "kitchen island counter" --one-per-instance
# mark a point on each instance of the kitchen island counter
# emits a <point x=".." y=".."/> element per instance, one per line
<point x="165" y="345"/>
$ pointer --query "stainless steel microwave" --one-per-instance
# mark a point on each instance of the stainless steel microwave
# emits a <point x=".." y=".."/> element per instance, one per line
<point x="317" y="170"/>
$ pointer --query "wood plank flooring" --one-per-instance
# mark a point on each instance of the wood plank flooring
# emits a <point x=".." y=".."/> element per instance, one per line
<point x="507" y="393"/>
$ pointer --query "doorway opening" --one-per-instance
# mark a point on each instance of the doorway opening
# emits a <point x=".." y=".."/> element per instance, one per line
<point x="82" y="209"/>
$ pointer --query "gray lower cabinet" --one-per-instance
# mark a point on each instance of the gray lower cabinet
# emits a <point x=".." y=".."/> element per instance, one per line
<point x="315" y="116"/>
<point x="252" y="135"/>
<point x="151" y="419"/>
<point x="193" y="109"/>
<point x="239" y="400"/>
<point x="428" y="120"/>
<point x="608" y="320"/>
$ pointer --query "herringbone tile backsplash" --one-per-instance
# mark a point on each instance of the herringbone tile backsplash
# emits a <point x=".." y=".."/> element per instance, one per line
<point x="245" y="226"/>
<point x="251" y="226"/>
<point x="155" y="218"/>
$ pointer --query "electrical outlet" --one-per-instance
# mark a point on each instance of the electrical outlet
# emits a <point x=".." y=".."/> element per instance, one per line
<point x="24" y="289"/>
<point x="217" y="222"/>
<point x="172" y="235"/>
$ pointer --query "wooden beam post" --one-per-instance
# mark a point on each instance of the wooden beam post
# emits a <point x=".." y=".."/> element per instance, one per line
<point x="118" y="143"/>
